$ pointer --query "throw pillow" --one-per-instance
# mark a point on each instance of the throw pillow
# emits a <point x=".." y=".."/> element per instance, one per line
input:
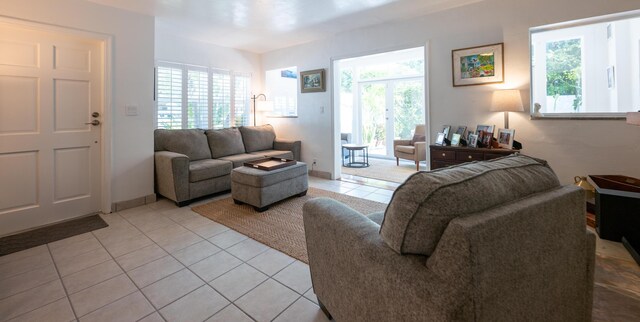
<point x="190" y="142"/>
<point x="418" y="138"/>
<point x="225" y="142"/>
<point x="258" y="138"/>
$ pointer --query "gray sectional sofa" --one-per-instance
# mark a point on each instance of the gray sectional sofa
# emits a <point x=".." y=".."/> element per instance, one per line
<point x="194" y="163"/>
<point x="496" y="240"/>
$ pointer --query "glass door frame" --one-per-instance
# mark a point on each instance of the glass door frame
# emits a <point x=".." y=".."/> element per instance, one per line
<point x="390" y="86"/>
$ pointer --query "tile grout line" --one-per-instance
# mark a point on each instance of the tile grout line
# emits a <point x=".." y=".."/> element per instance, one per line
<point x="288" y="306"/>
<point x="66" y="292"/>
<point x="59" y="279"/>
<point x="206" y="282"/>
<point x="30" y="268"/>
<point x="185" y="267"/>
<point x="127" y="275"/>
<point x="32" y="287"/>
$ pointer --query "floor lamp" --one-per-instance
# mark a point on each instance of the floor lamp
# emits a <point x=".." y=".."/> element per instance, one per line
<point x="255" y="107"/>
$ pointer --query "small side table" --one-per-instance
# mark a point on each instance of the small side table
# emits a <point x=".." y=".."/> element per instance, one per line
<point x="353" y="157"/>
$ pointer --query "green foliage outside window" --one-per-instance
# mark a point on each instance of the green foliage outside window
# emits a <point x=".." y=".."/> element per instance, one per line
<point x="564" y="70"/>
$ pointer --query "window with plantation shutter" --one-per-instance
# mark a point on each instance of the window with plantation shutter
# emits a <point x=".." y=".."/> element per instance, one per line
<point x="199" y="97"/>
<point x="221" y="99"/>
<point x="169" y="97"/>
<point x="241" y="100"/>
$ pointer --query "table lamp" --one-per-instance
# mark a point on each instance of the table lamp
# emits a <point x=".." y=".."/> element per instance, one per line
<point x="507" y="100"/>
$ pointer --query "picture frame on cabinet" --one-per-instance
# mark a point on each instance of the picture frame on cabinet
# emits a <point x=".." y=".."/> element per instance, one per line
<point x="472" y="140"/>
<point x="439" y="139"/>
<point x="506" y="137"/>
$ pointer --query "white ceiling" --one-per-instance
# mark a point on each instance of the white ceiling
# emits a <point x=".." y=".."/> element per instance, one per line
<point x="265" y="25"/>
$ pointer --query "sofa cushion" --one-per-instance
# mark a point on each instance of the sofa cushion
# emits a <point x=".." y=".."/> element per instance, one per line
<point x="406" y="149"/>
<point x="258" y="138"/>
<point x="192" y="143"/>
<point x="207" y="169"/>
<point x="274" y="154"/>
<point x="225" y="142"/>
<point x="238" y="160"/>
<point x="422" y="207"/>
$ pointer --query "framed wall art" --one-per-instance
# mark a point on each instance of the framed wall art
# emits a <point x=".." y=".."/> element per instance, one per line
<point x="312" y="81"/>
<point x="478" y="65"/>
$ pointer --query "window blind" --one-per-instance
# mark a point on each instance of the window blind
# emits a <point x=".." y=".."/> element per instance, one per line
<point x="169" y="96"/>
<point x="241" y="100"/>
<point x="198" y="97"/>
<point x="221" y="99"/>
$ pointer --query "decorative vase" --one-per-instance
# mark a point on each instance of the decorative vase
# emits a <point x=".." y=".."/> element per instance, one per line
<point x="583" y="183"/>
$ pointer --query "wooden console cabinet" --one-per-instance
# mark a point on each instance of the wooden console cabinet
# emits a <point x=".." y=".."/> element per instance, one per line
<point x="444" y="156"/>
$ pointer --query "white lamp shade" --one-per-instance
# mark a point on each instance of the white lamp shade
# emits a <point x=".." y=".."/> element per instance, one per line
<point x="264" y="106"/>
<point x="507" y="100"/>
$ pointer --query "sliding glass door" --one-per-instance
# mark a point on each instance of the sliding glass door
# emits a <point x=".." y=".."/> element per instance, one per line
<point x="389" y="110"/>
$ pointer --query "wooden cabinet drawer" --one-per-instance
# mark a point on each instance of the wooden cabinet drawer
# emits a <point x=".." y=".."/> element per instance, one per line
<point x="489" y="156"/>
<point x="443" y="155"/>
<point x="469" y="156"/>
<point x="441" y="164"/>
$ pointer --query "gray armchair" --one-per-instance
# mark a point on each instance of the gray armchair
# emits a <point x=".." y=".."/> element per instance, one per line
<point x="414" y="149"/>
<point x="497" y="240"/>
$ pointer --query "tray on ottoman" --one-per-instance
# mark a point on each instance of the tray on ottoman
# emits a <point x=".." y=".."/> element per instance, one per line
<point x="269" y="164"/>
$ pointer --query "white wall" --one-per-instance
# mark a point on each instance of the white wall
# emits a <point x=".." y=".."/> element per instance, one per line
<point x="132" y="81"/>
<point x="172" y="48"/>
<point x="573" y="147"/>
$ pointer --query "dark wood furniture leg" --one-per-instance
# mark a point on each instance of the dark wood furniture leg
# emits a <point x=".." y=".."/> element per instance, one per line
<point x="324" y="310"/>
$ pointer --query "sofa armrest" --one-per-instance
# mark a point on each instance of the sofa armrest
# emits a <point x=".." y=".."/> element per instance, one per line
<point x="172" y="175"/>
<point x="288" y="145"/>
<point x="421" y="151"/>
<point x="359" y="278"/>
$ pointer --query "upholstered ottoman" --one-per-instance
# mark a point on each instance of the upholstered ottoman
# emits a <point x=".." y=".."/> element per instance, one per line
<point x="261" y="188"/>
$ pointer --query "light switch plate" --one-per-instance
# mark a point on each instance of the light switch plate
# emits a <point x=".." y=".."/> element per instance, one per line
<point x="131" y="110"/>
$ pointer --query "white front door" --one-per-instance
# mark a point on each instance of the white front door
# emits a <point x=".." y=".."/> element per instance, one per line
<point x="51" y="86"/>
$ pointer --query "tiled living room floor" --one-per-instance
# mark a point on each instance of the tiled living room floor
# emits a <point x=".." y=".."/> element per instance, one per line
<point x="159" y="262"/>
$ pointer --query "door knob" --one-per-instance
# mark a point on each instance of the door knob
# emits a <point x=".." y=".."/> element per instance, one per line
<point x="95" y="114"/>
<point x="94" y="122"/>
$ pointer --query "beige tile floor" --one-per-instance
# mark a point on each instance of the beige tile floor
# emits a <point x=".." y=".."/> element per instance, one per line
<point x="159" y="262"/>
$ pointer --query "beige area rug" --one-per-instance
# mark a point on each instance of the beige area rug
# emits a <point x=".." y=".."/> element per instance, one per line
<point x="386" y="170"/>
<point x="281" y="227"/>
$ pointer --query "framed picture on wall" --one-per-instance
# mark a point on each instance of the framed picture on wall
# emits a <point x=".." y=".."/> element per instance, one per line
<point x="478" y="65"/>
<point x="312" y="81"/>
